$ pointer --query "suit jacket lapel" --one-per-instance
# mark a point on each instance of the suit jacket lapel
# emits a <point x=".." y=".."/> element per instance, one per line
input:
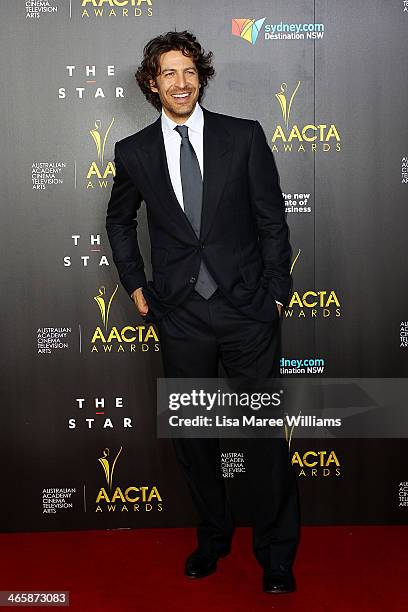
<point x="155" y="165"/>
<point x="217" y="146"/>
<point x="217" y="157"/>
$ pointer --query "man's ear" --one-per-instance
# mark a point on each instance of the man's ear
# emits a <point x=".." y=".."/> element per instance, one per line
<point x="153" y="86"/>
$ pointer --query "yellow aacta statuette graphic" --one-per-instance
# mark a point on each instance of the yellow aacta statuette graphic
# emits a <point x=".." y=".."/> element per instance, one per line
<point x="282" y="99"/>
<point x="104" y="307"/>
<point x="99" y="140"/>
<point x="108" y="468"/>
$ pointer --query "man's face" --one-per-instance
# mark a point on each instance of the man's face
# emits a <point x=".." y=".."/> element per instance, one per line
<point x="177" y="85"/>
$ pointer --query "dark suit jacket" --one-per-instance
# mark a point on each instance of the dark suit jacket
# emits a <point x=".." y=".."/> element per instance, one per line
<point x="244" y="235"/>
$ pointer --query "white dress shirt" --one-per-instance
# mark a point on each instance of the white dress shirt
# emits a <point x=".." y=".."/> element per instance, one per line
<point x="172" y="142"/>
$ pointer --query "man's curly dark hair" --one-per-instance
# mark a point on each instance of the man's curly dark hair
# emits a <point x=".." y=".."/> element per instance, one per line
<point x="172" y="41"/>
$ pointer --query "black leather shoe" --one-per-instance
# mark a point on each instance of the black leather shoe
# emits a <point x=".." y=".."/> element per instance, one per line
<point x="199" y="564"/>
<point x="274" y="582"/>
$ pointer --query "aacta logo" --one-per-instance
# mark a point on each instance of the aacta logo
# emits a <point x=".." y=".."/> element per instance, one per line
<point x="99" y="172"/>
<point x="116" y="8"/>
<point x="316" y="463"/>
<point x="313" y="303"/>
<point x="120" y="340"/>
<point x="316" y="302"/>
<point x="287" y="136"/>
<point x="312" y="462"/>
<point x="248" y="29"/>
<point x="140" y="498"/>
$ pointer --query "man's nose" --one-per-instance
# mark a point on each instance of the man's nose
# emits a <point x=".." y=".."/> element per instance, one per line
<point x="181" y="80"/>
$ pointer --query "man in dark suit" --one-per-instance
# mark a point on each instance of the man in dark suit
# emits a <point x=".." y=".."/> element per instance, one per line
<point x="220" y="258"/>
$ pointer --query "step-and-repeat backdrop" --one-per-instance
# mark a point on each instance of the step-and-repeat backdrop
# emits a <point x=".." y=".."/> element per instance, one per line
<point x="327" y="81"/>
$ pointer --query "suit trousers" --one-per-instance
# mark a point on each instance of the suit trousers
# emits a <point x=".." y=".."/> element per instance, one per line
<point x="195" y="337"/>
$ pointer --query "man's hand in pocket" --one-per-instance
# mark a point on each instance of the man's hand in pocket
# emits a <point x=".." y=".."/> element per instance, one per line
<point x="140" y="302"/>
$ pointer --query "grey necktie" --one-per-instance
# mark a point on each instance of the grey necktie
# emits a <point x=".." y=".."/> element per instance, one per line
<point x="192" y="184"/>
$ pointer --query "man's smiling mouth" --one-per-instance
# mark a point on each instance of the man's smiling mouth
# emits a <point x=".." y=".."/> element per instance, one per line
<point x="181" y="96"/>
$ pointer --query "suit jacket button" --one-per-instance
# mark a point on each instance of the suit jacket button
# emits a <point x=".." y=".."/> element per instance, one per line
<point x="193" y="279"/>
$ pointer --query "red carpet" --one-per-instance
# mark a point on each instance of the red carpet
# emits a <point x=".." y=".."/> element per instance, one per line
<point x="338" y="569"/>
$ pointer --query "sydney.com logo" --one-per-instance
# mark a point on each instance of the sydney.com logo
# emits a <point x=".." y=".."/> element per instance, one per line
<point x="249" y="29"/>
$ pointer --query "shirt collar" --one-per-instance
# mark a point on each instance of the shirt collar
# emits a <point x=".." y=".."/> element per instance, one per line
<point x="195" y="122"/>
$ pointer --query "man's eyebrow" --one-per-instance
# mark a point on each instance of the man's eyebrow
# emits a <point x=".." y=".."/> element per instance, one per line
<point x="171" y="69"/>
